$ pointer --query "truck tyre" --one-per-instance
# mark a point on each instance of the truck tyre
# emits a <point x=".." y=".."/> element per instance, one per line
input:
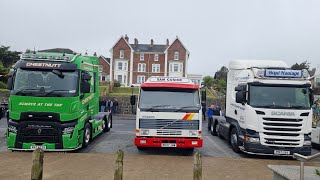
<point x="108" y="125"/>
<point x="234" y="140"/>
<point x="86" y="135"/>
<point x="213" y="129"/>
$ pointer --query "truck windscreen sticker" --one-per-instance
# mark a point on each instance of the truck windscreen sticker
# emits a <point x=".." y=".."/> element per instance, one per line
<point x="46" y="65"/>
<point x="283" y="73"/>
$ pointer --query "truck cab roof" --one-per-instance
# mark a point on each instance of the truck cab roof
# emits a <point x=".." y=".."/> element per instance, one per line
<point x="169" y="82"/>
<point x="248" y="64"/>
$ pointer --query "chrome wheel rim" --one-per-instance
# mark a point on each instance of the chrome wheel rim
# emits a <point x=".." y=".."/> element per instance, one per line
<point x="234" y="139"/>
<point x="211" y="127"/>
<point x="109" y="124"/>
<point x="103" y="124"/>
<point x="87" y="136"/>
<point x="217" y="128"/>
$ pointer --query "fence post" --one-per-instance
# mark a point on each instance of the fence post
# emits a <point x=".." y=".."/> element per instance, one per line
<point x="118" y="171"/>
<point x="197" y="166"/>
<point x="37" y="164"/>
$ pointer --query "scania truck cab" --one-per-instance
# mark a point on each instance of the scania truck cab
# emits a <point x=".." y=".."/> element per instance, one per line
<point x="169" y="114"/>
<point x="268" y="108"/>
<point x="53" y="102"/>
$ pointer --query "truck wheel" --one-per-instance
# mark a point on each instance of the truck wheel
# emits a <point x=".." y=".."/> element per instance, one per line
<point x="86" y="135"/>
<point x="107" y="125"/>
<point x="209" y="124"/>
<point x="234" y="140"/>
<point x="213" y="129"/>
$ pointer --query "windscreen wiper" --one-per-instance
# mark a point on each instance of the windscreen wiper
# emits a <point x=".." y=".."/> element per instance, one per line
<point x="300" y="107"/>
<point x="56" y="90"/>
<point x="154" y="107"/>
<point x="23" y="90"/>
<point x="184" y="107"/>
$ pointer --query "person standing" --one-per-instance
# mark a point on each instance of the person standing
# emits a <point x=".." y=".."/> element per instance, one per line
<point x="102" y="105"/>
<point x="204" y="109"/>
<point x="115" y="106"/>
<point x="109" y="105"/>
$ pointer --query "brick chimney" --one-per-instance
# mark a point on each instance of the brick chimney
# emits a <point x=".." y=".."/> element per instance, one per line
<point x="94" y="54"/>
<point x="126" y="38"/>
<point x="136" y="41"/>
<point x="167" y="42"/>
<point x="151" y="43"/>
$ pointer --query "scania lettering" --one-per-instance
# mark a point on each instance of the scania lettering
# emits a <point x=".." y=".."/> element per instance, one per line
<point x="268" y="109"/>
<point x="169" y="114"/>
<point x="54" y="102"/>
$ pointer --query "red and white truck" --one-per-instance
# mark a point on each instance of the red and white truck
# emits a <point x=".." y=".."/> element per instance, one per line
<point x="169" y="114"/>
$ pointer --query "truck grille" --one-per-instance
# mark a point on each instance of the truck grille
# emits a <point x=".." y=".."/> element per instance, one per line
<point x="39" y="133"/>
<point x="169" y="124"/>
<point x="281" y="132"/>
<point x="169" y="132"/>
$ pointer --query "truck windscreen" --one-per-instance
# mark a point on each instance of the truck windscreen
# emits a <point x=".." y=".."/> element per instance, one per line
<point x="45" y="83"/>
<point x="279" y="97"/>
<point x="169" y="99"/>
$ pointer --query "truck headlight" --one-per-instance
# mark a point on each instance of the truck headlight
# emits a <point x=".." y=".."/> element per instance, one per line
<point x="254" y="140"/>
<point x="193" y="132"/>
<point x="12" y="129"/>
<point x="307" y="143"/>
<point x="144" y="132"/>
<point x="68" y="130"/>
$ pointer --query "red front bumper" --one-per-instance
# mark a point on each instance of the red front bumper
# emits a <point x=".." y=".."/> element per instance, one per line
<point x="157" y="142"/>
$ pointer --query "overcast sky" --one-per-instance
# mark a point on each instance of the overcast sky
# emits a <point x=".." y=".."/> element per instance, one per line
<point x="214" y="31"/>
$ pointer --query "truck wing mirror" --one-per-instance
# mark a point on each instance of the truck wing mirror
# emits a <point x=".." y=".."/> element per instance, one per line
<point x="203" y="95"/>
<point x="133" y="100"/>
<point x="10" y="79"/>
<point x="86" y="76"/>
<point x="240" y="88"/>
<point x="85" y="87"/>
<point x="10" y="83"/>
<point x="241" y="97"/>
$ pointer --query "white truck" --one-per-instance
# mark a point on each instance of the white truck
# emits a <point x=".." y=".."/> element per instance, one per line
<point x="268" y="109"/>
<point x="169" y="114"/>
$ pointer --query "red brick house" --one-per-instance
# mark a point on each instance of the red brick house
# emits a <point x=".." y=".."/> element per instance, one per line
<point x="104" y="68"/>
<point x="132" y="64"/>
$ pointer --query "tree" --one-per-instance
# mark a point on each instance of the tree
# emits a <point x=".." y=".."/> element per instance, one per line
<point x="222" y="73"/>
<point x="303" y="65"/>
<point x="7" y="57"/>
<point x="208" y="81"/>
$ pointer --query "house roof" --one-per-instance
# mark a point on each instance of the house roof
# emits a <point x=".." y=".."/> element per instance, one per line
<point x="59" y="50"/>
<point x="148" y="47"/>
<point x="105" y="59"/>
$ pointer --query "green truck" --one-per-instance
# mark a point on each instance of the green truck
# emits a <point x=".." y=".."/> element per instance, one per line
<point x="54" y="102"/>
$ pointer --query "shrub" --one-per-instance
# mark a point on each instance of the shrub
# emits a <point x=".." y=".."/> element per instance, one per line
<point x="116" y="84"/>
<point x="3" y="85"/>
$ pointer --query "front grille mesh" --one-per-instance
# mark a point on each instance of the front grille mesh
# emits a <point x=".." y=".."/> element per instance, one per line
<point x="169" y="124"/>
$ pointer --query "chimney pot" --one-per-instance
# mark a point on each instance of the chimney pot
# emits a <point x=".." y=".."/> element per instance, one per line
<point x="94" y="54"/>
<point x="126" y="38"/>
<point x="136" y="41"/>
<point x="151" y="42"/>
<point x="167" y="42"/>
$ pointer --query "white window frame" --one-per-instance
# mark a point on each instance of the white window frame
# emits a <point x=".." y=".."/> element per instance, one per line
<point x="125" y="66"/>
<point x="176" y="55"/>
<point x="121" y="54"/>
<point x="121" y="66"/>
<point x="156" y="68"/>
<point x="141" y="79"/>
<point x="100" y="68"/>
<point x="178" y="65"/>
<point x="141" y="56"/>
<point x="156" y="57"/>
<point x="141" y="67"/>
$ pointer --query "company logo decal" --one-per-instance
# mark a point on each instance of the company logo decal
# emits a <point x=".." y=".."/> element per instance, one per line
<point x="87" y="99"/>
<point x="188" y="116"/>
<point x="280" y="113"/>
<point x="51" y="65"/>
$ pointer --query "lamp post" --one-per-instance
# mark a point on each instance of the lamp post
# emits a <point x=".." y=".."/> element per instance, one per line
<point x="132" y="98"/>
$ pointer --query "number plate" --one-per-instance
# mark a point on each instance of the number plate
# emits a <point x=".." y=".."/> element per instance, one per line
<point x="168" y="145"/>
<point x="280" y="152"/>
<point x="37" y="146"/>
